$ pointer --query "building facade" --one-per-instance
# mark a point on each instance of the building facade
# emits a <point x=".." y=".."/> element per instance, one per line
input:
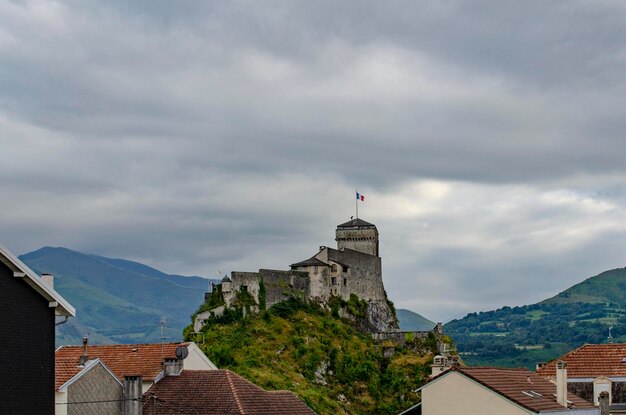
<point x="28" y="309"/>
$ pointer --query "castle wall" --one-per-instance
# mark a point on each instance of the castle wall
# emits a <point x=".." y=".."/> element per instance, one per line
<point x="239" y="279"/>
<point x="280" y="285"/>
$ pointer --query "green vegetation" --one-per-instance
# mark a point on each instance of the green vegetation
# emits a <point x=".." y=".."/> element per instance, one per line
<point x="540" y="332"/>
<point x="335" y="369"/>
<point x="262" y="295"/>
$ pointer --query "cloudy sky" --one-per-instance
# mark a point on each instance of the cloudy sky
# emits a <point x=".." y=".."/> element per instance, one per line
<point x="488" y="137"/>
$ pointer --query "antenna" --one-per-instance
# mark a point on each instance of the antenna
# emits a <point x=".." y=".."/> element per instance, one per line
<point x="162" y="323"/>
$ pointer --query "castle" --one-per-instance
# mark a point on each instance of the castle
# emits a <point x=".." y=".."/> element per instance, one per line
<point x="354" y="268"/>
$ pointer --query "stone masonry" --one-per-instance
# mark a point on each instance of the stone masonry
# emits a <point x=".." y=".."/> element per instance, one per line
<point x="354" y="268"/>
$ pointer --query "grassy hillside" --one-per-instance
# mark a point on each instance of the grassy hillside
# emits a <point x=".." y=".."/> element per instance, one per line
<point x="539" y="332"/>
<point x="334" y="368"/>
<point x="410" y="320"/>
<point x="117" y="300"/>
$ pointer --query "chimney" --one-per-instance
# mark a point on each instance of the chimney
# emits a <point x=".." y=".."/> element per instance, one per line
<point x="172" y="366"/>
<point x="48" y="279"/>
<point x="440" y="364"/>
<point x="603" y="400"/>
<point x="561" y="383"/>
<point x="85" y="356"/>
<point x="132" y="395"/>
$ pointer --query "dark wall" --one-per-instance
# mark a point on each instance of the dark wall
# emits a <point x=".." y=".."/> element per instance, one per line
<point x="585" y="391"/>
<point x="618" y="392"/>
<point x="582" y="389"/>
<point x="26" y="348"/>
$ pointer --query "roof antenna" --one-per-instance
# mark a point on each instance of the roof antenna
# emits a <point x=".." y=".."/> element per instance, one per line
<point x="162" y="323"/>
<point x="610" y="338"/>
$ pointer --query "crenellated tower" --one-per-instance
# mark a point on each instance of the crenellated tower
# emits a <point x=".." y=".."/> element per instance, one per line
<point x="358" y="235"/>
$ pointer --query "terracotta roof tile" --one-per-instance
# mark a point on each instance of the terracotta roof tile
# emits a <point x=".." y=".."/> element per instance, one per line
<point x="123" y="359"/>
<point x="64" y="370"/>
<point x="591" y="360"/>
<point x="219" y="392"/>
<point x="521" y="386"/>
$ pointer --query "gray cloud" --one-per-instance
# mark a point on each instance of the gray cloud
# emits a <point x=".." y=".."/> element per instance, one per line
<point x="199" y="136"/>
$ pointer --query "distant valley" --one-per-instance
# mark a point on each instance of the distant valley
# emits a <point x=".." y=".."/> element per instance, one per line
<point x="523" y="336"/>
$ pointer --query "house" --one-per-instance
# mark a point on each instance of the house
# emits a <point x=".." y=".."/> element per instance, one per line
<point x="498" y="391"/>
<point x="87" y="387"/>
<point x="217" y="392"/>
<point x="29" y="307"/>
<point x="592" y="369"/>
<point x="146" y="361"/>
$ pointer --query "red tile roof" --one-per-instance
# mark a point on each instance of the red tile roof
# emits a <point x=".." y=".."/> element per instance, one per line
<point x="64" y="370"/>
<point x="123" y="359"/>
<point x="219" y="392"/>
<point x="520" y="386"/>
<point x="590" y="361"/>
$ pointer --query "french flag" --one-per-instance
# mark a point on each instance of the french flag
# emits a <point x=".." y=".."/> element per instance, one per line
<point x="360" y="197"/>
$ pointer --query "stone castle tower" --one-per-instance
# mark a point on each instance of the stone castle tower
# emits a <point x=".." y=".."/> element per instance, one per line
<point x="357" y="235"/>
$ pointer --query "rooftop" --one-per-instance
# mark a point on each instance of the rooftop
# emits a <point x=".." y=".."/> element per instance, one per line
<point x="123" y="359"/>
<point x="218" y="392"/>
<point x="310" y="262"/>
<point x="520" y="386"/>
<point x="356" y="223"/>
<point x="591" y="360"/>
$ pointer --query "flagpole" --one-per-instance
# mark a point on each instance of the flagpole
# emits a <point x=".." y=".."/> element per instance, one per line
<point x="356" y="203"/>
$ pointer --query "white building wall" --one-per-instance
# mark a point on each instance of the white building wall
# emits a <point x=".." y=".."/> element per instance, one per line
<point x="60" y="401"/>
<point x="455" y="394"/>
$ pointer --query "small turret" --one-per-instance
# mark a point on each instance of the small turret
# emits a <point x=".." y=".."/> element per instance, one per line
<point x="226" y="284"/>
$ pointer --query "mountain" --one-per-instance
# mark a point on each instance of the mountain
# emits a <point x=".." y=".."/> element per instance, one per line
<point x="116" y="300"/>
<point x="410" y="320"/>
<point x="514" y="336"/>
<point x="324" y="359"/>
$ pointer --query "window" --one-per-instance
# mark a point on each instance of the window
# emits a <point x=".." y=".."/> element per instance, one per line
<point x="345" y="268"/>
<point x="333" y="268"/>
<point x="315" y="269"/>
<point x="334" y="280"/>
<point x="345" y="282"/>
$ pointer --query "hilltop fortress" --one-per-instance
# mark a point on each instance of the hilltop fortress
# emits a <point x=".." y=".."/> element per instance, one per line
<point x="353" y="269"/>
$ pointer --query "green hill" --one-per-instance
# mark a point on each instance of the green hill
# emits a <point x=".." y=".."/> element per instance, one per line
<point x="117" y="301"/>
<point x="523" y="336"/>
<point x="410" y="320"/>
<point x="333" y="367"/>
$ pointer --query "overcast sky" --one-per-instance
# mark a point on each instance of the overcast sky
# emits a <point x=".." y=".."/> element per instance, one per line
<point x="488" y="137"/>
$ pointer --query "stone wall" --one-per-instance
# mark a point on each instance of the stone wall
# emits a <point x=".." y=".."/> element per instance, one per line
<point x="249" y="280"/>
<point x="358" y="239"/>
<point x="281" y="285"/>
<point x="364" y="277"/>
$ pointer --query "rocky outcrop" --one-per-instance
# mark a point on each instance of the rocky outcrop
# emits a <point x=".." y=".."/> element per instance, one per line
<point x="380" y="317"/>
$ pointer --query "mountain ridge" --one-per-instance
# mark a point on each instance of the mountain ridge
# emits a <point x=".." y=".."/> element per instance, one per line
<point x="525" y="335"/>
<point x="118" y="300"/>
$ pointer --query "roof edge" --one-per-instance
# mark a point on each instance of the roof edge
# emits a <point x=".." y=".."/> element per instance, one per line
<point x="63" y="307"/>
